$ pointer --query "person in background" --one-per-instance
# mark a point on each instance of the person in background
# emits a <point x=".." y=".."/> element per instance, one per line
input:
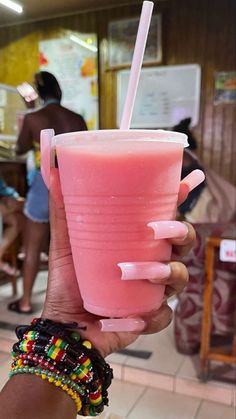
<point x="51" y="115"/>
<point x="11" y="206"/>
<point x="211" y="208"/>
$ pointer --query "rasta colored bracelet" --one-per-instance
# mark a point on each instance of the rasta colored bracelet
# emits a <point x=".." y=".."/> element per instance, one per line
<point x="57" y="353"/>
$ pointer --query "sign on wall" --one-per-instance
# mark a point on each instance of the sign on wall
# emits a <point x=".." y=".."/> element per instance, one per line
<point x="225" y="87"/>
<point x="228" y="250"/>
<point x="121" y="41"/>
<point x="73" y="61"/>
<point x="165" y="96"/>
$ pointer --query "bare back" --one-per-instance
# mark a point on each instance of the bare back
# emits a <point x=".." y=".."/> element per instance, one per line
<point x="52" y="116"/>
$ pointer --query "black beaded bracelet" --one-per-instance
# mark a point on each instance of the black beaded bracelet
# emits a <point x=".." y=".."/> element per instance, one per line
<point x="56" y="352"/>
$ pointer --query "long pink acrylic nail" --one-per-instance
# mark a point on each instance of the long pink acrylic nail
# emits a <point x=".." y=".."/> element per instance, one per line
<point x="169" y="229"/>
<point x="46" y="136"/>
<point x="122" y="325"/>
<point x="194" y="179"/>
<point x="144" y="270"/>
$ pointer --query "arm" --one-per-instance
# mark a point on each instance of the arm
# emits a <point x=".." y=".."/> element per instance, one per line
<point x="25" y="139"/>
<point x="28" y="396"/>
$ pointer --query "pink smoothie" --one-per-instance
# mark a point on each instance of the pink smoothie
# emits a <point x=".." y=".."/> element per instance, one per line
<point x="112" y="189"/>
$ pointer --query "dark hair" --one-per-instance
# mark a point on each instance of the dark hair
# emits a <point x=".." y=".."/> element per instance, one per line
<point x="183" y="126"/>
<point x="47" y="85"/>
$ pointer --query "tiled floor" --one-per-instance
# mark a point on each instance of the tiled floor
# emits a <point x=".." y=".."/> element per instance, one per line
<point x="164" y="386"/>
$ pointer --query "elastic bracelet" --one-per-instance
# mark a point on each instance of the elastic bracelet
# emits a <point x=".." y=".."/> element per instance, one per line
<point x="56" y="353"/>
<point x="58" y="381"/>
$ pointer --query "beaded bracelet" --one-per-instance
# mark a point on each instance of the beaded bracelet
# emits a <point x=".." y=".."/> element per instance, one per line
<point x="57" y="354"/>
<point x="59" y="381"/>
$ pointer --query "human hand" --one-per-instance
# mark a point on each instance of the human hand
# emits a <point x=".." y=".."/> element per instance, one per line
<point x="63" y="300"/>
<point x="28" y="94"/>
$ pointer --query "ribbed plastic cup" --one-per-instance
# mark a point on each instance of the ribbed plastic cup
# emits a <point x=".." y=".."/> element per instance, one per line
<point x="114" y="183"/>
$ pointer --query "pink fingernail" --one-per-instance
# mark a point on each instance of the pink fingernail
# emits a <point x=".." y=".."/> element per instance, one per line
<point x="169" y="229"/>
<point x="194" y="179"/>
<point x="144" y="270"/>
<point x="122" y="325"/>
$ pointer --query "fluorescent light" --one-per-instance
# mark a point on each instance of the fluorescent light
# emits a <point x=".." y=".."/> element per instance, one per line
<point x="12" y="5"/>
<point x="83" y="43"/>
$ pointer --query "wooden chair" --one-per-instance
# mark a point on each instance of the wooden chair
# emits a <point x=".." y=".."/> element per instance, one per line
<point x="226" y="354"/>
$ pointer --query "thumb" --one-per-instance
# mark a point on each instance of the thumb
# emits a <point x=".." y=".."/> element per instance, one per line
<point x="58" y="225"/>
<point x="183" y="192"/>
<point x="55" y="193"/>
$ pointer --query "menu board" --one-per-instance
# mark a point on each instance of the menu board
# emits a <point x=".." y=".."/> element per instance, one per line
<point x="73" y="61"/>
<point x="165" y="96"/>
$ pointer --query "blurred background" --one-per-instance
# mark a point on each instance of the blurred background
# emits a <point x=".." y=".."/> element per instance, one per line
<point x="188" y="84"/>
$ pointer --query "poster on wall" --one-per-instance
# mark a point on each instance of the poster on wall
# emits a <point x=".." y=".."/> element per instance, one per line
<point x="73" y="61"/>
<point x="121" y="40"/>
<point x="225" y="87"/>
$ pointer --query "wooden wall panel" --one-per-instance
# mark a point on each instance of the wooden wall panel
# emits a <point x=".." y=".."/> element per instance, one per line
<point x="194" y="31"/>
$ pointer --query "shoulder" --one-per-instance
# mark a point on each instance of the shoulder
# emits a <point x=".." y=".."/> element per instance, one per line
<point x="31" y="116"/>
<point x="75" y="118"/>
<point x="71" y="113"/>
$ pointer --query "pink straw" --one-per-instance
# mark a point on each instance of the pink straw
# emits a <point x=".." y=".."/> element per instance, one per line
<point x="137" y="61"/>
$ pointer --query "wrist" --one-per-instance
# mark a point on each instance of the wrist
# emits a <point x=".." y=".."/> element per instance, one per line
<point x="53" y="351"/>
<point x="89" y="329"/>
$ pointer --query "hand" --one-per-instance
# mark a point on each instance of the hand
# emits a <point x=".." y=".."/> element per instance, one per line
<point x="30" y="104"/>
<point x="28" y="94"/>
<point x="63" y="300"/>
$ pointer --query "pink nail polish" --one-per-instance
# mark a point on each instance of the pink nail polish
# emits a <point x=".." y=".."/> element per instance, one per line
<point x="122" y="325"/>
<point x="144" y="270"/>
<point x="169" y="229"/>
<point x="194" y="179"/>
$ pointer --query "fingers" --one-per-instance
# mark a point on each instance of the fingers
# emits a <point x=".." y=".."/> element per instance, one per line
<point x="56" y="198"/>
<point x="58" y="226"/>
<point x="177" y="280"/>
<point x="46" y="137"/>
<point x="168" y="229"/>
<point x="157" y="320"/>
<point x="181" y="247"/>
<point x="153" y="271"/>
<point x="189" y="183"/>
<point x="173" y="275"/>
<point x="183" y="193"/>
<point x="148" y="323"/>
<point x="160" y="319"/>
<point x="180" y="234"/>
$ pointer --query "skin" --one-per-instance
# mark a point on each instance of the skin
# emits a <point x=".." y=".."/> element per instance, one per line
<point x="26" y="395"/>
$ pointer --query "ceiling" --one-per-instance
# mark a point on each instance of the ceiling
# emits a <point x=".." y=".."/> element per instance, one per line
<point x="40" y="9"/>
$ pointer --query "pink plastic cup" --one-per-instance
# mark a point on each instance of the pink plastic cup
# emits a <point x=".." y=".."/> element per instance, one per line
<point x="114" y="183"/>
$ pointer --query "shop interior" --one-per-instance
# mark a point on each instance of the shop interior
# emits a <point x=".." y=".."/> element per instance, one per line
<point x="187" y="84"/>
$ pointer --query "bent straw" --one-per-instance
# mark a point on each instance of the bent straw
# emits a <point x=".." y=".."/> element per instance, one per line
<point x="136" y="65"/>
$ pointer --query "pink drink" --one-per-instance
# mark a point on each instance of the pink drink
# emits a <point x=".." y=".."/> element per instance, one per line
<point x="114" y="183"/>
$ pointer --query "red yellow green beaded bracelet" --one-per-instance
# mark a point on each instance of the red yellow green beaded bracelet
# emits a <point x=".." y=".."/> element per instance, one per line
<point x="57" y="354"/>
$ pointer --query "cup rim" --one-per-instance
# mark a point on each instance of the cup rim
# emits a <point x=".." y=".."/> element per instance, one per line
<point x="164" y="135"/>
